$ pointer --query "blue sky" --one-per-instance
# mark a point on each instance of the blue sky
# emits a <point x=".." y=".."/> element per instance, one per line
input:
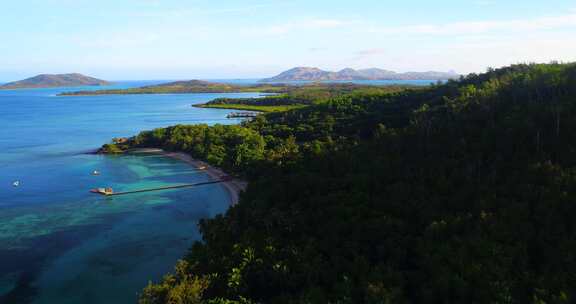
<point x="185" y="39"/>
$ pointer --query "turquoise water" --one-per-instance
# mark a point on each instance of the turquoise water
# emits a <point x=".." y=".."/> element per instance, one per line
<point x="61" y="244"/>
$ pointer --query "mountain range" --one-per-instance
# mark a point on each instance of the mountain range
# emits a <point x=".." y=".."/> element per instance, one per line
<point x="55" y="80"/>
<point x="316" y="74"/>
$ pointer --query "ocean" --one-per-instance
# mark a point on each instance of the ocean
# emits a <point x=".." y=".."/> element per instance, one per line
<point x="61" y="244"/>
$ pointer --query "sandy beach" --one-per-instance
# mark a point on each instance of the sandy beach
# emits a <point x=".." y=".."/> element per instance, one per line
<point x="234" y="186"/>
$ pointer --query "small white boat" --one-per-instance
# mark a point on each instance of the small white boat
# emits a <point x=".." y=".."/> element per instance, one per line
<point x="16" y="183"/>
<point x="95" y="172"/>
<point x="104" y="191"/>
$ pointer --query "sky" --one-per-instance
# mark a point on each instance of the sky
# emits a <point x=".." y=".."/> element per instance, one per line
<point x="188" y="39"/>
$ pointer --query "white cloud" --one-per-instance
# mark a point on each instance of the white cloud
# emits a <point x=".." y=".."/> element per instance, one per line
<point x="310" y="24"/>
<point x="479" y="27"/>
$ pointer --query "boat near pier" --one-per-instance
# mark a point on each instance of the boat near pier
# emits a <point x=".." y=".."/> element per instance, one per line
<point x="110" y="192"/>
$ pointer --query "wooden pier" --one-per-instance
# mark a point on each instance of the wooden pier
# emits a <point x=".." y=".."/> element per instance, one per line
<point x="162" y="188"/>
<point x="242" y="115"/>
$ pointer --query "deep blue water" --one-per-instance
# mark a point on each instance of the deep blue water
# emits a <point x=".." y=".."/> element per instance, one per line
<point x="61" y="244"/>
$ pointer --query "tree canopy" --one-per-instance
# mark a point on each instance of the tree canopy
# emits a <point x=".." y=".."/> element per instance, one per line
<point x="463" y="192"/>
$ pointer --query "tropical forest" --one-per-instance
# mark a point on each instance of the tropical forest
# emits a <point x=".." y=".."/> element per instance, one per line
<point x="460" y="192"/>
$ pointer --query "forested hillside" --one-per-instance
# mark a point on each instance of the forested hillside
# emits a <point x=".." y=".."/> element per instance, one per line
<point x="299" y="96"/>
<point x="460" y="193"/>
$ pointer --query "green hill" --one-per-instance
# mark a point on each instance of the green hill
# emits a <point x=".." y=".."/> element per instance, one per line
<point x="459" y="193"/>
<point x="312" y="90"/>
<point x="58" y="80"/>
<point x="176" y="87"/>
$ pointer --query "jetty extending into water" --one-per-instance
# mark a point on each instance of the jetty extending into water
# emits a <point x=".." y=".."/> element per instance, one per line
<point x="110" y="192"/>
<point x="242" y="115"/>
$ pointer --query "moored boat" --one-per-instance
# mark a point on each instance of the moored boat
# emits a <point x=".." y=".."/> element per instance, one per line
<point x="104" y="191"/>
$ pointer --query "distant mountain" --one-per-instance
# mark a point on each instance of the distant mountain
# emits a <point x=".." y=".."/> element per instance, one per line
<point x="300" y="73"/>
<point x="55" y="80"/>
<point x="316" y="74"/>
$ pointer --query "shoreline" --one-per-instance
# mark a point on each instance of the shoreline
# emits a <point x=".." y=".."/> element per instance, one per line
<point x="225" y="107"/>
<point x="233" y="186"/>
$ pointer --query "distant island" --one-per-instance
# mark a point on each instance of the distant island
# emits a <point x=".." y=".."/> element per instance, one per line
<point x="183" y="87"/>
<point x="316" y="74"/>
<point x="55" y="80"/>
<point x="200" y="86"/>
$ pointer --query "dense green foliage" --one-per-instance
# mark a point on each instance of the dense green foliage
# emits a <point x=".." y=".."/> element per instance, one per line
<point x="231" y="147"/>
<point x="460" y="193"/>
<point x="300" y="96"/>
<point x="249" y="107"/>
<point x="112" y="149"/>
<point x="274" y="100"/>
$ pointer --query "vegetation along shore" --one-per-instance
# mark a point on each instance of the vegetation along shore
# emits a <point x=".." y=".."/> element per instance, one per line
<point x="455" y="193"/>
<point x="233" y="185"/>
<point x="281" y="97"/>
<point x="199" y="86"/>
